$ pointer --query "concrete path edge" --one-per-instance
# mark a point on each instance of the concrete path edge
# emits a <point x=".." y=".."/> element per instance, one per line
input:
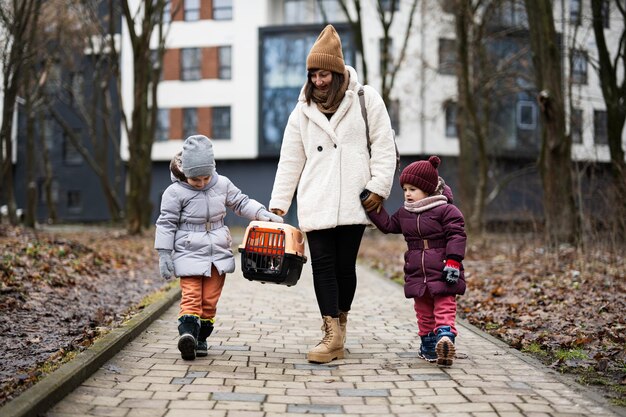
<point x="51" y="389"/>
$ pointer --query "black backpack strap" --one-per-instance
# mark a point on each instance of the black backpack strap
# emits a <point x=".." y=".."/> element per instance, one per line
<point x="364" y="114"/>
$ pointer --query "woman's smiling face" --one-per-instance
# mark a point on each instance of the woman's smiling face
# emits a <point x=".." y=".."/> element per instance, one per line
<point x="321" y="79"/>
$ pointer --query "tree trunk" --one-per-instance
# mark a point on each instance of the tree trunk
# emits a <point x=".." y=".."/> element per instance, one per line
<point x="562" y="224"/>
<point x="614" y="96"/>
<point x="471" y="130"/>
<point x="30" y="212"/>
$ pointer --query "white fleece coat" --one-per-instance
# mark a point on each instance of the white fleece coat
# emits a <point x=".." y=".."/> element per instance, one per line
<point x="327" y="161"/>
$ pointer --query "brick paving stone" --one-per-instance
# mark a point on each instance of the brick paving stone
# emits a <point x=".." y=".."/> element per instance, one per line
<point x="257" y="366"/>
<point x="314" y="408"/>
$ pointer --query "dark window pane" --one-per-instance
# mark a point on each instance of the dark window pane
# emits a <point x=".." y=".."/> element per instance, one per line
<point x="574" y="12"/>
<point x="526" y="115"/>
<point x="447" y="56"/>
<point x="600" y="136"/>
<point x="74" y="201"/>
<point x="388" y="4"/>
<point x="451" y="112"/>
<point x="71" y="156"/>
<point x="190" y="122"/>
<point x="579" y="66"/>
<point x="222" y="9"/>
<point x="190" y="64"/>
<point x="282" y="74"/>
<point x="163" y="125"/>
<point x="576" y="126"/>
<point x="225" y="57"/>
<point x="192" y="10"/>
<point x="221" y="123"/>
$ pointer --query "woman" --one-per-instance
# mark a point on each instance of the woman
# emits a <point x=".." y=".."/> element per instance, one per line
<point x="324" y="156"/>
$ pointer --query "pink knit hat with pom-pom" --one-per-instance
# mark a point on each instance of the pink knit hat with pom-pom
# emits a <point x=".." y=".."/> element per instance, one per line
<point x="422" y="174"/>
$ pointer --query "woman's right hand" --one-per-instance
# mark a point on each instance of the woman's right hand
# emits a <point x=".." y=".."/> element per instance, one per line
<point x="278" y="212"/>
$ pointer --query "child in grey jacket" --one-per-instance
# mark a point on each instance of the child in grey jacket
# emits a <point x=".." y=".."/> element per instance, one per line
<point x="193" y="242"/>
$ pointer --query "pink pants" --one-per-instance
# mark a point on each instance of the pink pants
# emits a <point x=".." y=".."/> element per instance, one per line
<point x="435" y="312"/>
<point x="200" y="295"/>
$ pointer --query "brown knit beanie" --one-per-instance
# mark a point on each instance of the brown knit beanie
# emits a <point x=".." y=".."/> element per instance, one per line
<point x="422" y="174"/>
<point x="326" y="52"/>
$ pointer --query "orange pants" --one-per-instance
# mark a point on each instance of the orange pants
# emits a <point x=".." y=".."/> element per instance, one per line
<point x="200" y="295"/>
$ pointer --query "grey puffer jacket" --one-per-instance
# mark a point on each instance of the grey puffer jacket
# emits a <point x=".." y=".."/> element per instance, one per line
<point x="191" y="224"/>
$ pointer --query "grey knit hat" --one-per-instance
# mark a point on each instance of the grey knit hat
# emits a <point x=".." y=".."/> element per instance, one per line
<point x="198" y="159"/>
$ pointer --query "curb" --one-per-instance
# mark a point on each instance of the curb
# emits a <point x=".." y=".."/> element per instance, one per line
<point x="47" y="392"/>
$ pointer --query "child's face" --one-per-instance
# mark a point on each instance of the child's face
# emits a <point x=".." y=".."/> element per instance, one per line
<point x="199" y="182"/>
<point x="412" y="193"/>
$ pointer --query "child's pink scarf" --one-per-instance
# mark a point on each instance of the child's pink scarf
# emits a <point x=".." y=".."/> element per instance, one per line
<point x="425" y="203"/>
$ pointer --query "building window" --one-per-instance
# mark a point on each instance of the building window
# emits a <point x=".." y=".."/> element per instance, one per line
<point x="600" y="134"/>
<point x="190" y="64"/>
<point x="77" y="82"/>
<point x="162" y="125"/>
<point x="447" y="56"/>
<point x="526" y="115"/>
<point x="190" y="122"/>
<point x="48" y="132"/>
<point x="221" y="123"/>
<point x="579" y="66"/>
<point x="74" y="201"/>
<point x="576" y="126"/>
<point x="606" y="14"/>
<point x="575" y="12"/>
<point x="167" y="12"/>
<point x="451" y="110"/>
<point x="511" y="14"/>
<point x="224" y="54"/>
<point x="385" y="57"/>
<point x="394" y="115"/>
<point x="386" y="5"/>
<point x="222" y="9"/>
<point x="71" y="156"/>
<point x="192" y="10"/>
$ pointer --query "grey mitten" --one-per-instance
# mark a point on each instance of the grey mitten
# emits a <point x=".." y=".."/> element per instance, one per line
<point x="166" y="266"/>
<point x="268" y="216"/>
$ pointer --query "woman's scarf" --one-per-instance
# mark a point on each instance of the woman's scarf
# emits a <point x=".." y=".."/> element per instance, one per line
<point x="425" y="203"/>
<point x="329" y="103"/>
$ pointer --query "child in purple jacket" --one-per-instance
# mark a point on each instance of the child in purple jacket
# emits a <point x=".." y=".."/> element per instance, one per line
<point x="434" y="230"/>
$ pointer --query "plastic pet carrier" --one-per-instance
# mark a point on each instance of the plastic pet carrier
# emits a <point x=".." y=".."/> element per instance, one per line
<point x="272" y="252"/>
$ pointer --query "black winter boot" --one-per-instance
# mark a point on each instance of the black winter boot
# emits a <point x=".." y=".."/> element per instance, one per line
<point x="206" y="328"/>
<point x="188" y="328"/>
<point x="427" y="348"/>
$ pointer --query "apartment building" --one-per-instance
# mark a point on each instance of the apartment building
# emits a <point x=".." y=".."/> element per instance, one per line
<point x="233" y="70"/>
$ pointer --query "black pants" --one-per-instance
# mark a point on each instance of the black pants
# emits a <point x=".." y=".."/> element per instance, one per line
<point x="333" y="260"/>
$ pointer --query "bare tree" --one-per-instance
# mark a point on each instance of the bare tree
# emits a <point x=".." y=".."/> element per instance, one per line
<point x="357" y="31"/>
<point x="391" y="65"/>
<point x="18" y="19"/>
<point x="561" y="218"/>
<point x="80" y="28"/>
<point x="141" y="24"/>
<point x="614" y="93"/>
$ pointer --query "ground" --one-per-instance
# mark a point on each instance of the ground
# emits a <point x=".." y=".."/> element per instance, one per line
<point x="61" y="288"/>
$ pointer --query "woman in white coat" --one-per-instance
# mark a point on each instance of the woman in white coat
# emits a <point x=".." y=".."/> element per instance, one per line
<point x="325" y="158"/>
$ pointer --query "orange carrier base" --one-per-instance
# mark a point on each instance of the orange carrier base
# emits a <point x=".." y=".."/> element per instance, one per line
<point x="272" y="252"/>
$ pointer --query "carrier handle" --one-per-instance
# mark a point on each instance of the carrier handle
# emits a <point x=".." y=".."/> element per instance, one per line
<point x="301" y="237"/>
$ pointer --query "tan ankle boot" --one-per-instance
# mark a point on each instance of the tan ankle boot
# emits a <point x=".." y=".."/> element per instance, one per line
<point x="343" y="320"/>
<point x="331" y="345"/>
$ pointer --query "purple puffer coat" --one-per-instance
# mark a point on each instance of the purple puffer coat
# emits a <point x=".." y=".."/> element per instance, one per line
<point x="431" y="236"/>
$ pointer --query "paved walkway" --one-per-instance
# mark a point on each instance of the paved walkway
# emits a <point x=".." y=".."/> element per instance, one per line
<point x="257" y="368"/>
